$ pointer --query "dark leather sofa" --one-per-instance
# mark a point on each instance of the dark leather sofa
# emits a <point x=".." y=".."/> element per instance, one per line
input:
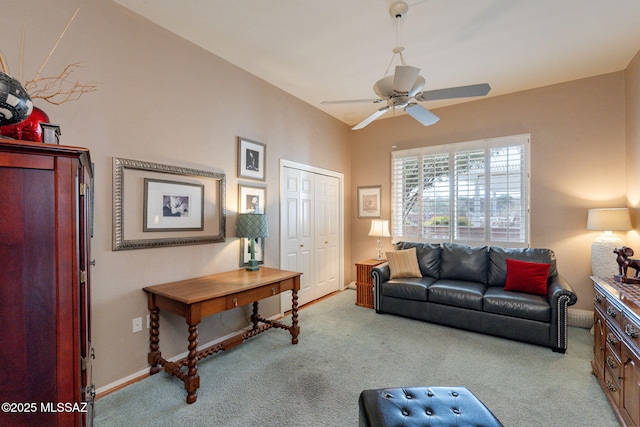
<point x="463" y="287"/>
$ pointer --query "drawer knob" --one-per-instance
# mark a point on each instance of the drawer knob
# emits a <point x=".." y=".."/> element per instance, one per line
<point x="630" y="330"/>
<point x="273" y="291"/>
<point x="597" y="298"/>
<point x="611" y="311"/>
<point x="611" y="362"/>
<point x="611" y="339"/>
<point x="235" y="302"/>
<point x="611" y="386"/>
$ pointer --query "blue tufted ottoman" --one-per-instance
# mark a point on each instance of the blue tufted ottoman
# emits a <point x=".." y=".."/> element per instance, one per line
<point x="423" y="406"/>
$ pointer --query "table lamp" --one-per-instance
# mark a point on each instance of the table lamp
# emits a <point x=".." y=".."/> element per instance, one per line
<point x="603" y="260"/>
<point x="379" y="228"/>
<point x="252" y="226"/>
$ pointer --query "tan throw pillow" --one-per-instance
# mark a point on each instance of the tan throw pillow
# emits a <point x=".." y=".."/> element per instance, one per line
<point x="403" y="263"/>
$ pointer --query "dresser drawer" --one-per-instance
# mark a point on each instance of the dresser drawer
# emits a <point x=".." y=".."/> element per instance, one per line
<point x="613" y="363"/>
<point x="613" y="313"/>
<point x="631" y="330"/>
<point x="246" y="297"/>
<point x="613" y="340"/>
<point x="612" y="384"/>
<point x="599" y="299"/>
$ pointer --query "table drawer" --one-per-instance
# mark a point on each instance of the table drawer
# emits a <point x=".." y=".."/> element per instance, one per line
<point x="247" y="297"/>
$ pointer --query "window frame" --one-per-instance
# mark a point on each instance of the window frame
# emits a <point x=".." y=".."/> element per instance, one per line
<point x="416" y="158"/>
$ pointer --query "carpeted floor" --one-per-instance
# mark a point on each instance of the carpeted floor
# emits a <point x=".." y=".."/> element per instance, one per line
<point x="345" y="349"/>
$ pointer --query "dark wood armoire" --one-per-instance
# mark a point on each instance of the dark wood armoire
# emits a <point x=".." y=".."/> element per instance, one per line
<point x="45" y="225"/>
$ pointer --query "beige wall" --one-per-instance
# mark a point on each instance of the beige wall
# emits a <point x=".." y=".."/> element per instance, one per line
<point x="632" y="155"/>
<point x="164" y="100"/>
<point x="577" y="140"/>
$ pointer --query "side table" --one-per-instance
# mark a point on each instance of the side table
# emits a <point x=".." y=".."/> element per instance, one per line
<point x="364" y="285"/>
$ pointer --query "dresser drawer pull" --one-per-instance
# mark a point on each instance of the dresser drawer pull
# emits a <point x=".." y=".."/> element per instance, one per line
<point x="273" y="291"/>
<point x="235" y="302"/>
<point x="630" y="330"/>
<point x="611" y="386"/>
<point x="611" y="311"/>
<point x="597" y="298"/>
<point x="611" y="362"/>
<point x="611" y="339"/>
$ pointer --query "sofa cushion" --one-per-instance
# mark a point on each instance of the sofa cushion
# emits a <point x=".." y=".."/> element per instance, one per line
<point x="458" y="293"/>
<point x="498" y="261"/>
<point x="428" y="256"/>
<point x="524" y="306"/>
<point x="412" y="288"/>
<point x="461" y="262"/>
<point x="403" y="263"/>
<point x="527" y="277"/>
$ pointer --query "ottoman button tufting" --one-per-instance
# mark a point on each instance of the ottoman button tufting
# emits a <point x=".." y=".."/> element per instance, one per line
<point x="435" y="406"/>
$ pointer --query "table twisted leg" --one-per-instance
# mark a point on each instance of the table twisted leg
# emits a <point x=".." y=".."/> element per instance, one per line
<point x="192" y="381"/>
<point x="295" y="329"/>
<point x="154" y="341"/>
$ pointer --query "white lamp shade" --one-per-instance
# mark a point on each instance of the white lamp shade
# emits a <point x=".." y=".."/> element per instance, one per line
<point x="610" y="219"/>
<point x="379" y="228"/>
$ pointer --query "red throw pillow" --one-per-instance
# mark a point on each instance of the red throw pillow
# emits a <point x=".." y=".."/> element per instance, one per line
<point x="527" y="277"/>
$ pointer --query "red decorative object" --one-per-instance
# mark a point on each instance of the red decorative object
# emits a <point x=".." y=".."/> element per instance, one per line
<point x="29" y="129"/>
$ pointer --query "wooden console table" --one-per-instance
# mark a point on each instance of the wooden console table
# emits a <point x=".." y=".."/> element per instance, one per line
<point x="196" y="298"/>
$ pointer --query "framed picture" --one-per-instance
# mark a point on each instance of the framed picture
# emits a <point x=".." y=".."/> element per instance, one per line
<point x="251" y="200"/>
<point x="173" y="206"/>
<point x="369" y="202"/>
<point x="251" y="159"/>
<point x="194" y="199"/>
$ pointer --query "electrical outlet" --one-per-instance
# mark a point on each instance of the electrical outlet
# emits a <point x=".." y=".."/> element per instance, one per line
<point x="148" y="321"/>
<point x="137" y="324"/>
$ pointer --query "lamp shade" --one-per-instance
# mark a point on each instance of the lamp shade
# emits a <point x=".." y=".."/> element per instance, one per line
<point x="252" y="225"/>
<point x="379" y="228"/>
<point x="610" y="219"/>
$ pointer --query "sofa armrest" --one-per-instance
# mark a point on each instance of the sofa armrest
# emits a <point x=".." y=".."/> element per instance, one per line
<point x="561" y="295"/>
<point x="380" y="274"/>
<point x="561" y="287"/>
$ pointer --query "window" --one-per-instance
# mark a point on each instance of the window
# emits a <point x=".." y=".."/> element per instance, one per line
<point x="472" y="192"/>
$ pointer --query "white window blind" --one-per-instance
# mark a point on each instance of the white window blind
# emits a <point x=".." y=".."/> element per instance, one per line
<point x="473" y="192"/>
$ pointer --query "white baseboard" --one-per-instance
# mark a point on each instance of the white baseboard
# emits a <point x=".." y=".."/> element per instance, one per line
<point x="352" y="285"/>
<point x="144" y="372"/>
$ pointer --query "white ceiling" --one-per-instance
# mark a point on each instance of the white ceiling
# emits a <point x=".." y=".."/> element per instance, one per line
<point x="320" y="50"/>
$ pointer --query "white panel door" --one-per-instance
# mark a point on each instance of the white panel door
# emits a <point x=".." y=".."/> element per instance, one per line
<point x="326" y="235"/>
<point x="296" y="207"/>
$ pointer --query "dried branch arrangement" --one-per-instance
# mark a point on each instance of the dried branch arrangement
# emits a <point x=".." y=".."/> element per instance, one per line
<point x="54" y="89"/>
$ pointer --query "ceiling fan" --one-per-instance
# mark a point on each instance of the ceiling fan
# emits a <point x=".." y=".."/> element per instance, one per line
<point x="403" y="89"/>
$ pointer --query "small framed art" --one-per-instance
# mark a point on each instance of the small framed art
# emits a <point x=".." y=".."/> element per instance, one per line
<point x="251" y="159"/>
<point x="251" y="199"/>
<point x="369" y="202"/>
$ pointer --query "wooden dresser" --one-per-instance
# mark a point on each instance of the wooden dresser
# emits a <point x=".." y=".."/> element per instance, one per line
<point x="44" y="285"/>
<point x="616" y="347"/>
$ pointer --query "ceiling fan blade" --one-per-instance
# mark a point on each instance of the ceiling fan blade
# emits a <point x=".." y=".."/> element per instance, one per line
<point x="371" y="118"/>
<point x="404" y="78"/>
<point x="454" y="92"/>
<point x="353" y="101"/>
<point x="421" y="114"/>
